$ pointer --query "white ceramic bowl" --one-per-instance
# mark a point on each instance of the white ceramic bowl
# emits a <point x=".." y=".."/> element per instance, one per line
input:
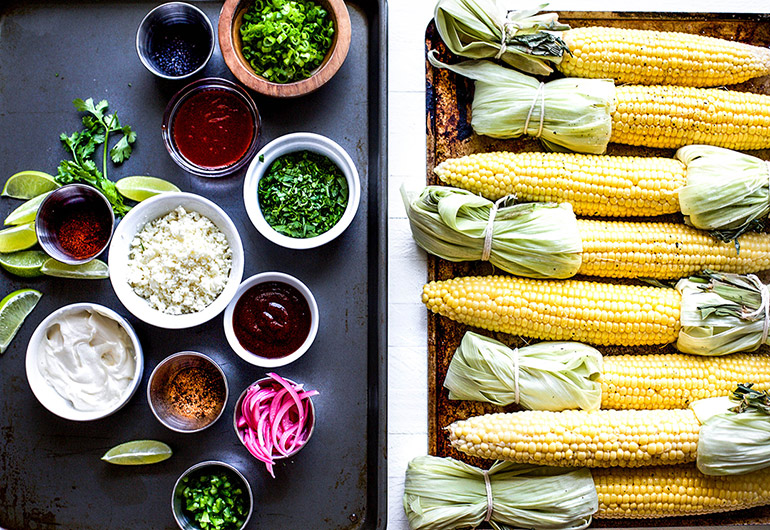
<point x="254" y="358"/>
<point x="132" y="223"/>
<point x="291" y="143"/>
<point x="48" y="396"/>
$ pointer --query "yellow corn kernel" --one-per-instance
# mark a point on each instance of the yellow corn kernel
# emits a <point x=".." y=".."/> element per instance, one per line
<point x="673" y="381"/>
<point x="619" y="186"/>
<point x="665" y="251"/>
<point x="599" y="438"/>
<point x="592" y="312"/>
<point x="672" y="491"/>
<point x="658" y="58"/>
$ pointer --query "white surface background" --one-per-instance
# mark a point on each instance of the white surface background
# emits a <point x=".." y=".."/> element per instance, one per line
<point x="407" y="317"/>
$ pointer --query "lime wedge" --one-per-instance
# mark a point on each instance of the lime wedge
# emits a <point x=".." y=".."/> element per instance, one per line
<point x="141" y="188"/>
<point x="138" y="452"/>
<point x="14" y="308"/>
<point x="27" y="212"/>
<point x="18" y="238"/>
<point x="93" y="270"/>
<point x="25" y="264"/>
<point x="29" y="184"/>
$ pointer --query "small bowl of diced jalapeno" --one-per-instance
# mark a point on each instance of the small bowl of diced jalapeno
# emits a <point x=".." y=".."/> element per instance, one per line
<point x="212" y="495"/>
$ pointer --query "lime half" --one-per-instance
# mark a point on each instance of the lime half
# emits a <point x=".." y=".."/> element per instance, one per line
<point x="93" y="270"/>
<point x="29" y="184"/>
<point x="18" y="238"/>
<point x="14" y="308"/>
<point x="141" y="188"/>
<point x="27" y="212"/>
<point x="138" y="452"/>
<point x="26" y="263"/>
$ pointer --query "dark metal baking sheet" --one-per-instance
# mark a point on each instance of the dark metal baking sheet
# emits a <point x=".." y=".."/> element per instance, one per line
<point x="449" y="134"/>
<point x="51" y="475"/>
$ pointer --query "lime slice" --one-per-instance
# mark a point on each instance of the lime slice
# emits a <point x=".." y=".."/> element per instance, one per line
<point x="27" y="212"/>
<point x="25" y="264"/>
<point x="14" y="308"/>
<point x="141" y="188"/>
<point x="18" y="238"/>
<point x="29" y="184"/>
<point x="93" y="270"/>
<point x="138" y="452"/>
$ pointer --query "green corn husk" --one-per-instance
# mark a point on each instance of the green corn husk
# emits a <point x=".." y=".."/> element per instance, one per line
<point x="734" y="440"/>
<point x="719" y="314"/>
<point x="474" y="29"/>
<point x="577" y="113"/>
<point x="443" y="493"/>
<point x="537" y="240"/>
<point x="727" y="191"/>
<point x="552" y="375"/>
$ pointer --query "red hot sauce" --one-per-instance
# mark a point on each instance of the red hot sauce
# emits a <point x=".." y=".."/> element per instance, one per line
<point x="272" y="320"/>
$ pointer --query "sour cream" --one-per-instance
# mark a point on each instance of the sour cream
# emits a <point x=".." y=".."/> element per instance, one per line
<point x="88" y="358"/>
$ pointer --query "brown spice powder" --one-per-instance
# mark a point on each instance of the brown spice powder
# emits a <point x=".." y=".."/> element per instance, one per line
<point x="196" y="392"/>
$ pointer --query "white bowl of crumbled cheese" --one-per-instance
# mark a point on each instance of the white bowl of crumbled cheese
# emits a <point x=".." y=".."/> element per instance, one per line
<point x="176" y="260"/>
<point x="84" y="362"/>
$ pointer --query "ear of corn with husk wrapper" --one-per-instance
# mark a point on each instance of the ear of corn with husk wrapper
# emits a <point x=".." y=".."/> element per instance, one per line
<point x="571" y="375"/>
<point x="713" y="314"/>
<point x="715" y="188"/>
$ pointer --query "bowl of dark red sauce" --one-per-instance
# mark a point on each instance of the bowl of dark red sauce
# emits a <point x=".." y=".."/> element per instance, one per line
<point x="74" y="223"/>
<point x="272" y="320"/>
<point x="211" y="127"/>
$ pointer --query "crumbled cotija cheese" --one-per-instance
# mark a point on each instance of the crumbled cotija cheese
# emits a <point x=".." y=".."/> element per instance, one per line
<point x="179" y="262"/>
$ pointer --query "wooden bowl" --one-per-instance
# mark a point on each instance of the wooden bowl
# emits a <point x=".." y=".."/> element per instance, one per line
<point x="230" y="19"/>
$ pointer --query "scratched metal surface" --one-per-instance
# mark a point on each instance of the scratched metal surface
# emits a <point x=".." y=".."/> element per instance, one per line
<point x="449" y="135"/>
<point x="51" y="475"/>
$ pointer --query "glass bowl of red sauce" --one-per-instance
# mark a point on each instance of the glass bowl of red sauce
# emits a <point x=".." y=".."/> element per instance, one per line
<point x="74" y="223"/>
<point x="272" y="320"/>
<point x="211" y="127"/>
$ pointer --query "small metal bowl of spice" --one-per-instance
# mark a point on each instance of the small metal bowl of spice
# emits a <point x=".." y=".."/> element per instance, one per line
<point x="175" y="40"/>
<point x="302" y="190"/>
<point x="187" y="392"/>
<point x="74" y="223"/>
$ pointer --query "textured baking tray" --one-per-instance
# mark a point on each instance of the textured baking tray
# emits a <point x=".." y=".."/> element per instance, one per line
<point x="449" y="134"/>
<point x="50" y="472"/>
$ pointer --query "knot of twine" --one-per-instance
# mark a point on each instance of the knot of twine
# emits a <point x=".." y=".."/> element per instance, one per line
<point x="541" y="95"/>
<point x="764" y="306"/>
<point x="489" y="232"/>
<point x="504" y="37"/>
<point x="516" y="375"/>
<point x="488" y="485"/>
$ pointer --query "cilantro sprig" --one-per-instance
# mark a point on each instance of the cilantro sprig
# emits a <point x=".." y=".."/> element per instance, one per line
<point x="302" y="194"/>
<point x="98" y="126"/>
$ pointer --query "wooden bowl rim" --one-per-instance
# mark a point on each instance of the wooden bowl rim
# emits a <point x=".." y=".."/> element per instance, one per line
<point x="335" y="57"/>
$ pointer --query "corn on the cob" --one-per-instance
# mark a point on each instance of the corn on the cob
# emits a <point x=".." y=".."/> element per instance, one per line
<point x="597" y="313"/>
<point x="664" y="250"/>
<point x="673" y="381"/>
<point x="671" y="491"/>
<point x="656" y="58"/>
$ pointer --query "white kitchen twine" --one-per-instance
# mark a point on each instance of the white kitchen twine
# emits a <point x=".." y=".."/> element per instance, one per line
<point x="503" y="38"/>
<point x="488" y="485"/>
<point x="764" y="306"/>
<point x="539" y="94"/>
<point x="489" y="232"/>
<point x="516" y="375"/>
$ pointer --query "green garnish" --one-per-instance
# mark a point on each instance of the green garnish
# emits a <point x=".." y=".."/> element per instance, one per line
<point x="97" y="128"/>
<point x="285" y="40"/>
<point x="303" y="194"/>
<point x="215" y="501"/>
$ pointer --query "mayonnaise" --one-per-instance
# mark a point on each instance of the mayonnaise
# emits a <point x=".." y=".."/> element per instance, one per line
<point x="88" y="358"/>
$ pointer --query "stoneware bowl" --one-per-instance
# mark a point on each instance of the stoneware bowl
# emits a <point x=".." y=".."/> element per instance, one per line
<point x="230" y="19"/>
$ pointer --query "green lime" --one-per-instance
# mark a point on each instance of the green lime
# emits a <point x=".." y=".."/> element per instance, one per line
<point x="141" y="188"/>
<point x="138" y="452"/>
<point x="93" y="270"/>
<point x="14" y="308"/>
<point x="19" y="237"/>
<point x="29" y="184"/>
<point x="27" y="212"/>
<point x="26" y="263"/>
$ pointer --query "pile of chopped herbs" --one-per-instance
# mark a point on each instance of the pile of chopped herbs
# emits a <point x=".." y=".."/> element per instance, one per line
<point x="285" y="40"/>
<point x="215" y="501"/>
<point x="303" y="194"/>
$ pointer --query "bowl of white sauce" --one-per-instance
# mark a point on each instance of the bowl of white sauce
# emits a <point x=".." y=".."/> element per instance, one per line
<point x="84" y="362"/>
